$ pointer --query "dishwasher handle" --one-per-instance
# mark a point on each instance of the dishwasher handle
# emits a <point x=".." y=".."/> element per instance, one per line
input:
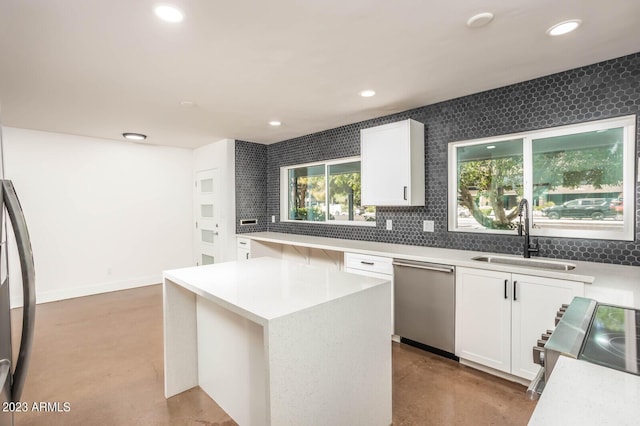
<point x="423" y="265"/>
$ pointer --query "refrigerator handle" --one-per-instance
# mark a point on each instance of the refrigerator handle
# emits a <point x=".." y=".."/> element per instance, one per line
<point x="21" y="233"/>
<point x="5" y="369"/>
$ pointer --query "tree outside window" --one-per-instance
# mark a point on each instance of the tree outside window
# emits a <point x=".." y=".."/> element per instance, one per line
<point x="575" y="179"/>
<point x="326" y="192"/>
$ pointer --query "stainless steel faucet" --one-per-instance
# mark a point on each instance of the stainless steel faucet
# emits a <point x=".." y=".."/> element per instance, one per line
<point x="523" y="229"/>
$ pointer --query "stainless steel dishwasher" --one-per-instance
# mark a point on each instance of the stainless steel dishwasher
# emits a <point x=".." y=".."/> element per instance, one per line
<point x="424" y="305"/>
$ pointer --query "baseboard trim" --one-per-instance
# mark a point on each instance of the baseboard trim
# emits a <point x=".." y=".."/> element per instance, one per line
<point x="71" y="293"/>
<point x="495" y="372"/>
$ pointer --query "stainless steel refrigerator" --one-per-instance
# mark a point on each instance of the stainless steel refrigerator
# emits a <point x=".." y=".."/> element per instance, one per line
<point x="13" y="379"/>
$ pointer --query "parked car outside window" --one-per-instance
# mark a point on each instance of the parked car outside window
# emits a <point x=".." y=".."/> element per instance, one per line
<point x="594" y="208"/>
<point x="617" y="206"/>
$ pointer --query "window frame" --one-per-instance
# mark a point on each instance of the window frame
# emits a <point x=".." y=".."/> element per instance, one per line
<point x="284" y="193"/>
<point x="628" y="123"/>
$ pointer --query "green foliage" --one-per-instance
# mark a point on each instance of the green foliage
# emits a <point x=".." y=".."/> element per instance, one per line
<point x="308" y="199"/>
<point x="314" y="214"/>
<point x="342" y="185"/>
<point x="491" y="177"/>
<point x="486" y="210"/>
<point x="595" y="166"/>
<point x="544" y="206"/>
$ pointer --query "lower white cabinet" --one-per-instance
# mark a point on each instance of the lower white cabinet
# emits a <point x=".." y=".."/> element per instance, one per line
<point x="500" y="316"/>
<point x="371" y="266"/>
<point x="243" y="248"/>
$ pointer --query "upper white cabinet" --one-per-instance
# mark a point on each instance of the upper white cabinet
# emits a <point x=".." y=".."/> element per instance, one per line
<point x="392" y="168"/>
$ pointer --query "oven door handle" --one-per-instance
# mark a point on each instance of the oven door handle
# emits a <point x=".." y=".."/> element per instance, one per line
<point x="537" y="385"/>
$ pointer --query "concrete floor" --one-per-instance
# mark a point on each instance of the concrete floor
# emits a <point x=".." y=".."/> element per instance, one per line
<point x="103" y="355"/>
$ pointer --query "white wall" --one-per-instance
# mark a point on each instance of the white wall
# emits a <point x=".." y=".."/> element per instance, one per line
<point x="221" y="155"/>
<point x="102" y="215"/>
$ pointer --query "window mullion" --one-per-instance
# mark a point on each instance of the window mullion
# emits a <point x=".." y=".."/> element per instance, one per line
<point x="527" y="178"/>
<point x="326" y="193"/>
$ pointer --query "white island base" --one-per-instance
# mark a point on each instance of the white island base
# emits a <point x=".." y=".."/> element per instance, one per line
<point x="280" y="343"/>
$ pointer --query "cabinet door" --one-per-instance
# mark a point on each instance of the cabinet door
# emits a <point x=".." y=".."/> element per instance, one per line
<point x="534" y="305"/>
<point x="385" y="167"/>
<point x="483" y="317"/>
<point x="243" y="253"/>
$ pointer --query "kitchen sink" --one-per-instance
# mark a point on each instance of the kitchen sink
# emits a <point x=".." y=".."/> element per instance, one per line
<point x="531" y="263"/>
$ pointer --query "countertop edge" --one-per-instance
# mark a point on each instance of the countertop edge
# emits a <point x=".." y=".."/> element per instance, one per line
<point x="249" y="314"/>
<point x="405" y="252"/>
<point x="217" y="300"/>
<point x="579" y="392"/>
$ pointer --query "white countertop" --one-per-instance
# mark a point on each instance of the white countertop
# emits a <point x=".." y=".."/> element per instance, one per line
<point x="614" y="284"/>
<point x="265" y="288"/>
<point x="581" y="393"/>
<point x="578" y="392"/>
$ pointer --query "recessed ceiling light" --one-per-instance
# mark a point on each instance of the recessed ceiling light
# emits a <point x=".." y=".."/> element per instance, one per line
<point x="274" y="123"/>
<point x="491" y="147"/>
<point x="169" y="13"/>
<point x="367" y="93"/>
<point x="564" y="27"/>
<point x="480" y="20"/>
<point x="134" y="136"/>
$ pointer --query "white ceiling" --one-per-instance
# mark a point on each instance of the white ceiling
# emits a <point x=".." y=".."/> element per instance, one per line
<point x="103" y="67"/>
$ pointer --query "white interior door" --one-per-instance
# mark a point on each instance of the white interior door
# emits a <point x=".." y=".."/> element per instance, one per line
<point x="207" y="208"/>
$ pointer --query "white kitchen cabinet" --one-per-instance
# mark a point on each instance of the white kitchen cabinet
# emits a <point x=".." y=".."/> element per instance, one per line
<point x="372" y="266"/>
<point x="243" y="249"/>
<point x="532" y="313"/>
<point x="483" y="317"/>
<point x="392" y="164"/>
<point x="246" y="248"/>
<point x="500" y="316"/>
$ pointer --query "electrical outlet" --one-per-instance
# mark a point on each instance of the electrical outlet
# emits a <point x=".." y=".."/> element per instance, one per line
<point x="389" y="225"/>
<point x="428" y="226"/>
<point x="273" y="219"/>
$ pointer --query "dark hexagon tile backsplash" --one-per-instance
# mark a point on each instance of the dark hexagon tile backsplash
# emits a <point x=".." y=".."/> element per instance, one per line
<point x="251" y="186"/>
<point x="604" y="90"/>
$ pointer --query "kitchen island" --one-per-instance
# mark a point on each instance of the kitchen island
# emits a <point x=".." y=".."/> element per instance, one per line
<point x="276" y="342"/>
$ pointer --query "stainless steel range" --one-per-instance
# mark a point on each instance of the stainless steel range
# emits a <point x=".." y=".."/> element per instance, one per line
<point x="613" y="339"/>
<point x="602" y="334"/>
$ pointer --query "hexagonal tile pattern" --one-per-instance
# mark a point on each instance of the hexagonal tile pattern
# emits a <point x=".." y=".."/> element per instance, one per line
<point x="251" y="186"/>
<point x="604" y="90"/>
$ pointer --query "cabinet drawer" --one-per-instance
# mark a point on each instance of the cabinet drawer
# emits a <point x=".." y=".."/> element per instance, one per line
<point x="365" y="262"/>
<point x="244" y="243"/>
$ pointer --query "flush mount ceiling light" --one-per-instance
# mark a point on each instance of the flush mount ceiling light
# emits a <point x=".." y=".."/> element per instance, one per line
<point x="564" y="27"/>
<point x="367" y="93"/>
<point x="134" y="136"/>
<point x="274" y="123"/>
<point x="168" y="13"/>
<point x="480" y="20"/>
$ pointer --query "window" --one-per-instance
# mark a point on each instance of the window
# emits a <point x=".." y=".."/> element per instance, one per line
<point x="327" y="192"/>
<point x="579" y="181"/>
